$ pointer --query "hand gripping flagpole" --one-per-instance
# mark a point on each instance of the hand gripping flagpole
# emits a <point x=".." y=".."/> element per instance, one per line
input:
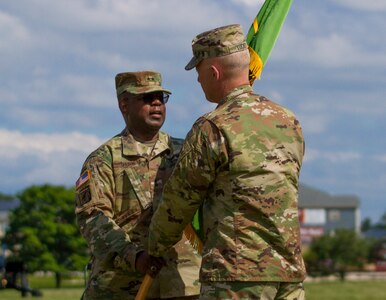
<point x="196" y="243"/>
<point x="144" y="288"/>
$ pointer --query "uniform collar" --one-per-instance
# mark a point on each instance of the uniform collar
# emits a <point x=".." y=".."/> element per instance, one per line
<point x="242" y="89"/>
<point x="129" y="142"/>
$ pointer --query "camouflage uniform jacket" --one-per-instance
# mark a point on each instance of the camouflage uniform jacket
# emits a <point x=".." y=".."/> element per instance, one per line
<point x="115" y="195"/>
<point x="241" y="164"/>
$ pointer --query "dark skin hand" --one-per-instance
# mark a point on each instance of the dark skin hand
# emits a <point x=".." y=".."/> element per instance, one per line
<point x="146" y="263"/>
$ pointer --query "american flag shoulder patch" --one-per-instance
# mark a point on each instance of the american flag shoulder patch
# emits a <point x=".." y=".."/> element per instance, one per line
<point x="82" y="179"/>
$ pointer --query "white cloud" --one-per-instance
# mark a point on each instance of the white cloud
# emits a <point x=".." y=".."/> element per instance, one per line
<point x="331" y="156"/>
<point x="61" y="119"/>
<point x="14" y="144"/>
<point x="381" y="158"/>
<point x="36" y="158"/>
<point x="336" y="40"/>
<point x="251" y="3"/>
<point x="314" y="123"/>
<point x="87" y="90"/>
<point x="13" y="33"/>
<point x="326" y="50"/>
<point x="127" y="15"/>
<point x="112" y="35"/>
<point x="60" y="168"/>
<point x="7" y="96"/>
<point x="105" y="58"/>
<point x="334" y="50"/>
<point x="43" y="90"/>
<point x="371" y="5"/>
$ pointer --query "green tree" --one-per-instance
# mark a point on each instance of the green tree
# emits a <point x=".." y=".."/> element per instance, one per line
<point x="366" y="224"/>
<point x="336" y="253"/>
<point x="377" y="250"/>
<point x="382" y="222"/>
<point x="43" y="232"/>
<point x="6" y="197"/>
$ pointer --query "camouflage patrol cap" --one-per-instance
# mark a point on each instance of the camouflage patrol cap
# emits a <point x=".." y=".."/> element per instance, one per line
<point x="139" y="82"/>
<point x="217" y="42"/>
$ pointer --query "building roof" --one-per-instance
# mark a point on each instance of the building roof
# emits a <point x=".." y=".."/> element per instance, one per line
<point x="313" y="198"/>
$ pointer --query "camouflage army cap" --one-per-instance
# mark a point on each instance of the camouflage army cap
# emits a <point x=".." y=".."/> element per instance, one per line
<point x="217" y="42"/>
<point x="139" y="82"/>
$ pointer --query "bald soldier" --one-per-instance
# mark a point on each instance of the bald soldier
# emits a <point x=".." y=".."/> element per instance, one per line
<point x="118" y="189"/>
<point x="240" y="163"/>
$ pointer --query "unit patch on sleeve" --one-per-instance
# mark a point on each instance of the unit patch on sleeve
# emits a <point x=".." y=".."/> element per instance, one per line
<point x="83" y="196"/>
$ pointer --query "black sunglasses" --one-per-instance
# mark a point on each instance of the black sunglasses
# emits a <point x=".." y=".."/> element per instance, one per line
<point x="150" y="97"/>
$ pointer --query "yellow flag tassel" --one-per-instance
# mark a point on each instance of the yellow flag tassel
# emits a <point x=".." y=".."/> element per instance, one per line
<point x="255" y="66"/>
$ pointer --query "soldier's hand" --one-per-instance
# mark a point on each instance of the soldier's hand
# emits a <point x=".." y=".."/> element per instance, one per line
<point x="146" y="263"/>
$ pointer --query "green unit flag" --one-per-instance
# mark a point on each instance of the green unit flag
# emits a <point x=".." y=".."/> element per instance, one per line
<point x="196" y="235"/>
<point x="263" y="33"/>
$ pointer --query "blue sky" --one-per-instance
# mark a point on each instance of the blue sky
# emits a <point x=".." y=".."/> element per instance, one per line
<point x="58" y="60"/>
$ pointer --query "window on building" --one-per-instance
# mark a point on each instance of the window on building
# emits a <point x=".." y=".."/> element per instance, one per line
<point x="334" y="215"/>
<point x="314" y="216"/>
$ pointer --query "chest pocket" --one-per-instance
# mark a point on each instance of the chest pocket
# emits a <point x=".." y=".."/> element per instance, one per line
<point x="143" y="195"/>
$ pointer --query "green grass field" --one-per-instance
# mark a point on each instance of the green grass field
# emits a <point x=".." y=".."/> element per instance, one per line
<point x="72" y="288"/>
<point x="325" y="290"/>
<point x="349" y="290"/>
<point x="52" y="294"/>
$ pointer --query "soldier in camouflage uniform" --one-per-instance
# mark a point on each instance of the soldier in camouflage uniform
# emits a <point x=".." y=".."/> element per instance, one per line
<point x="119" y="186"/>
<point x="240" y="163"/>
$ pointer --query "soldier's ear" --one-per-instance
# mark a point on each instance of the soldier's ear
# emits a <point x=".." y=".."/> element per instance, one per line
<point x="123" y="104"/>
<point x="215" y="72"/>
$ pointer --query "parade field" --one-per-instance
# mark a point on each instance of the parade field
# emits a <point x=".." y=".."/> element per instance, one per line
<point x="323" y="290"/>
<point x="349" y="290"/>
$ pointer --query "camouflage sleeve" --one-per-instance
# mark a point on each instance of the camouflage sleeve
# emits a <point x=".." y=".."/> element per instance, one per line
<point x="202" y="154"/>
<point x="94" y="212"/>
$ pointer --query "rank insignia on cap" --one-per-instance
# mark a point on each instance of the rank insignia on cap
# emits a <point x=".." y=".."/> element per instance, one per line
<point x="82" y="179"/>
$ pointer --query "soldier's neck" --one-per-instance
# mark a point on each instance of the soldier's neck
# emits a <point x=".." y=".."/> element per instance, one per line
<point x="144" y="137"/>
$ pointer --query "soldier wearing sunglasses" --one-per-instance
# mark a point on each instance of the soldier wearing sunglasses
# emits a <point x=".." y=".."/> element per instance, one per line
<point x="118" y="189"/>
